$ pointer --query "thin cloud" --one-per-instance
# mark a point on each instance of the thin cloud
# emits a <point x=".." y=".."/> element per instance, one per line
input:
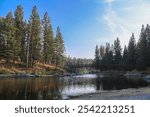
<point x="110" y="1"/>
<point x="128" y="18"/>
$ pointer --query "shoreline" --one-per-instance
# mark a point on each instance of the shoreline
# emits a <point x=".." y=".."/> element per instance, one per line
<point x="124" y="94"/>
<point x="25" y="75"/>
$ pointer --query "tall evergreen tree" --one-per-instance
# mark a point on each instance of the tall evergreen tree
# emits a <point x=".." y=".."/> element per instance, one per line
<point x="97" y="57"/>
<point x="2" y="39"/>
<point x="147" y="32"/>
<point x="35" y="38"/>
<point x="59" y="49"/>
<point x="102" y="52"/>
<point x="20" y="34"/>
<point x="108" y="57"/>
<point x="48" y="48"/>
<point x="125" y="56"/>
<point x="117" y="51"/>
<point x="142" y="49"/>
<point x="27" y="44"/>
<point x="10" y="50"/>
<point x="132" y="51"/>
<point x="111" y="54"/>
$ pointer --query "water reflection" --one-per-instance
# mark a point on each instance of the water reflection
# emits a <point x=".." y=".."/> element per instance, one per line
<point x="78" y="85"/>
<point x="117" y="83"/>
<point x="61" y="88"/>
<point x="37" y="88"/>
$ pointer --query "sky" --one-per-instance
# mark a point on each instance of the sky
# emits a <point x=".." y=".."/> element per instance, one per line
<point x="87" y="23"/>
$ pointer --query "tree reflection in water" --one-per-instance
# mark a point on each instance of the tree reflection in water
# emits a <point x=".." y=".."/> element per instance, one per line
<point x="117" y="83"/>
<point x="60" y="88"/>
<point x="33" y="89"/>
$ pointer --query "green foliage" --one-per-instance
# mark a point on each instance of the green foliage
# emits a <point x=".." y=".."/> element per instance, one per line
<point x="117" y="51"/>
<point x="48" y="47"/>
<point x="134" y="55"/>
<point x="2" y="39"/>
<point x="30" y="43"/>
<point x="97" y="57"/>
<point x="108" y="56"/>
<point x="10" y="41"/>
<point x="132" y="51"/>
<point x="35" y="38"/>
<point x="142" y="48"/>
<point x="59" y="49"/>
<point x="125" y="56"/>
<point x="102" y="51"/>
<point x="20" y="34"/>
<point x="72" y="62"/>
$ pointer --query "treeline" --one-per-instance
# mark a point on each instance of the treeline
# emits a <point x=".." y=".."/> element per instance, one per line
<point x="74" y="65"/>
<point x="77" y="61"/>
<point x="134" y="55"/>
<point x="32" y="41"/>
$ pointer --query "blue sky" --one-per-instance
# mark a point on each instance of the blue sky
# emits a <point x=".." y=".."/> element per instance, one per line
<point x="85" y="23"/>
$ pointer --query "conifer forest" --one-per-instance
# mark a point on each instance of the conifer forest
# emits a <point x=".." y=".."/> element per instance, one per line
<point x="28" y="42"/>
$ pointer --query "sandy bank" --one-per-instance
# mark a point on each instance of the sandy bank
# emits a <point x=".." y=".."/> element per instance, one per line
<point x="125" y="94"/>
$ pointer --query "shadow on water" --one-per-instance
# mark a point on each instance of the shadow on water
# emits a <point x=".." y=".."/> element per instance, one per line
<point x="117" y="83"/>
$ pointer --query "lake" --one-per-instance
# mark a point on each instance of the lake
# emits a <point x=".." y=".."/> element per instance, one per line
<point x="54" y="88"/>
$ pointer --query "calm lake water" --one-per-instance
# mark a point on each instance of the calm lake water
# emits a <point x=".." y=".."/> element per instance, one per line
<point x="61" y="88"/>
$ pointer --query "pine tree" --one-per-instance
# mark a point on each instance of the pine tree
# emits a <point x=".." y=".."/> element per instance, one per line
<point x="132" y="51"/>
<point x="125" y="56"/>
<point x="35" y="38"/>
<point x="142" y="49"/>
<point x="111" y="56"/>
<point x="48" y="49"/>
<point x="10" y="50"/>
<point x="102" y="52"/>
<point x="97" y="57"/>
<point x="27" y="44"/>
<point x="147" y="32"/>
<point x="59" y="49"/>
<point x="2" y="39"/>
<point x="108" y="56"/>
<point x="20" y="34"/>
<point x="117" y="51"/>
